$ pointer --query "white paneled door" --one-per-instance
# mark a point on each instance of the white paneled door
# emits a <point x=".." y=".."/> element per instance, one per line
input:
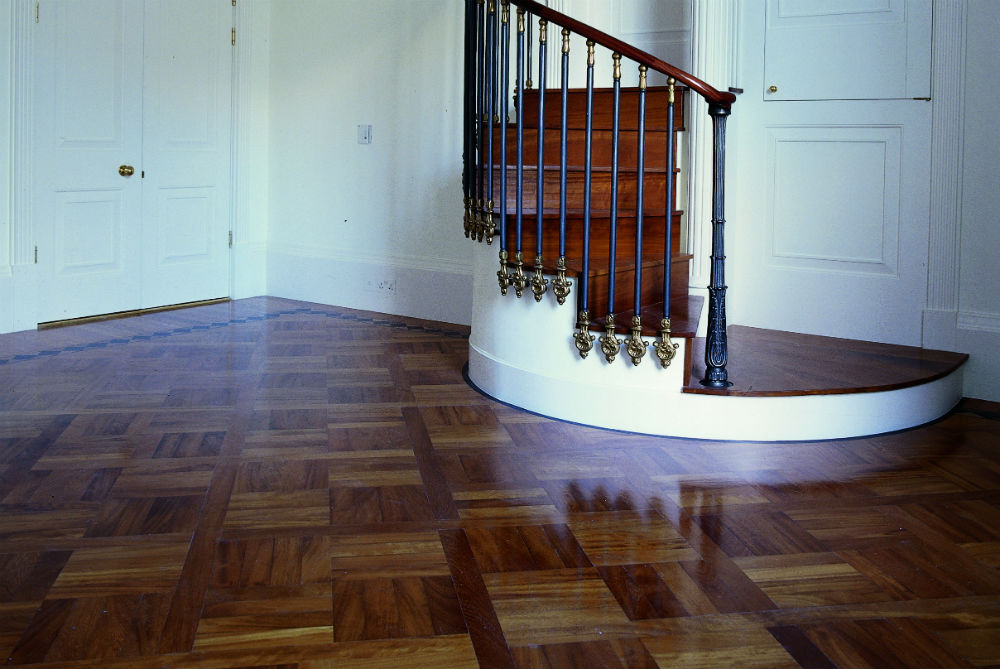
<point x="132" y="137"/>
<point x="830" y="221"/>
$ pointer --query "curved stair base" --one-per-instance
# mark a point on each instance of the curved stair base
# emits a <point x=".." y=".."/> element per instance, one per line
<point x="516" y="355"/>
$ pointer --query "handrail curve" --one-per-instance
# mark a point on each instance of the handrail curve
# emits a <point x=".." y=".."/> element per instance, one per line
<point x="711" y="94"/>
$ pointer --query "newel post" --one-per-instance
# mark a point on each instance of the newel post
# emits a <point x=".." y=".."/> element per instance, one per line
<point x="716" y="347"/>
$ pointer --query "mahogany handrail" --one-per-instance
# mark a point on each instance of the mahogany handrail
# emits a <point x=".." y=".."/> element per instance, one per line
<point x="711" y="94"/>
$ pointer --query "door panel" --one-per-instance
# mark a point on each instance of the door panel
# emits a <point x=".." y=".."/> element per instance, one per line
<point x="186" y="131"/>
<point x="847" y="49"/>
<point x="86" y="125"/>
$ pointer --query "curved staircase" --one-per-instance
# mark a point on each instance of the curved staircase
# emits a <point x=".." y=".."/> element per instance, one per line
<point x="574" y="191"/>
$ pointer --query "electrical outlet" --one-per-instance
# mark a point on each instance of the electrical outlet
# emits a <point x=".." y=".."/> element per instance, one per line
<point x="365" y="134"/>
<point x="384" y="286"/>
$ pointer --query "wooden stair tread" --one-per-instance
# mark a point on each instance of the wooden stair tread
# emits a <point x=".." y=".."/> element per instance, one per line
<point x="774" y="363"/>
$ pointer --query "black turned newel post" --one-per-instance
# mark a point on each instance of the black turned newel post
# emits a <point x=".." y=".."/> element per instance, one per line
<point x="716" y="349"/>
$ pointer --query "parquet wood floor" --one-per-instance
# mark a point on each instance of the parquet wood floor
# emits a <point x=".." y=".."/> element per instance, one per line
<point x="275" y="483"/>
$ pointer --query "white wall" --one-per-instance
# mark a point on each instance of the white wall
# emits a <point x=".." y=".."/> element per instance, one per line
<point x="252" y="158"/>
<point x="979" y="270"/>
<point x="6" y="82"/>
<point x="368" y="226"/>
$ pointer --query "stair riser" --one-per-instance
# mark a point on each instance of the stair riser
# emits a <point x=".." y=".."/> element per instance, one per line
<point x="652" y="287"/>
<point x="654" y="191"/>
<point x="653" y="233"/>
<point x="603" y="111"/>
<point x="655" y="156"/>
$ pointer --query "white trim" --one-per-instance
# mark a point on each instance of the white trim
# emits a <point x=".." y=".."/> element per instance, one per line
<point x="22" y="237"/>
<point x="980" y="321"/>
<point x="947" y="133"/>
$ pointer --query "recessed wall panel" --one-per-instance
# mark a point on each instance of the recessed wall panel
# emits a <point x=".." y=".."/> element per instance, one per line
<point x="185" y="224"/>
<point x="834" y="198"/>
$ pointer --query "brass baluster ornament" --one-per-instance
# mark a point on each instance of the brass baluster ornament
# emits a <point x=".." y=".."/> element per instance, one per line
<point x="560" y="284"/>
<point x="490" y="224"/>
<point x="467" y="219"/>
<point x="609" y="342"/>
<point x="520" y="279"/>
<point x="665" y="348"/>
<point x="539" y="284"/>
<point x="635" y="345"/>
<point x="503" y="278"/>
<point x="582" y="338"/>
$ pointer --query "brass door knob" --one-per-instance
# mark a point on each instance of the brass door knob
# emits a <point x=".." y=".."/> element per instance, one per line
<point x="126" y="170"/>
<point x="772" y="89"/>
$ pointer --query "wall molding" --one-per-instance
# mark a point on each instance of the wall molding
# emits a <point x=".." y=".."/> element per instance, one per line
<point x="22" y="237"/>
<point x="241" y="115"/>
<point x="979" y="321"/>
<point x="947" y="132"/>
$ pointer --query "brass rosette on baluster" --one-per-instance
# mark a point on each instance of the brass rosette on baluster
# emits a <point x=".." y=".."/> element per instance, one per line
<point x="539" y="284"/>
<point x="609" y="342"/>
<point x="582" y="338"/>
<point x="561" y="285"/>
<point x="503" y="278"/>
<point x="665" y="348"/>
<point x="635" y="345"/>
<point x="520" y="279"/>
<point x="467" y="219"/>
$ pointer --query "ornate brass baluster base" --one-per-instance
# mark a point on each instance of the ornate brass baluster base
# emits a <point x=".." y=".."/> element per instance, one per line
<point x="490" y="227"/>
<point x="467" y="219"/>
<point x="503" y="278"/>
<point x="520" y="279"/>
<point x="609" y="342"/>
<point x="665" y="348"/>
<point x="583" y="339"/>
<point x="539" y="284"/>
<point x="561" y="285"/>
<point x="635" y="346"/>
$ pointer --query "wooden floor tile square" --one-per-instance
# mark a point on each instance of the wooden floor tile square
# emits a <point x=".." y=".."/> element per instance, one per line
<point x="719" y="644"/>
<point x="258" y="510"/>
<point x="392" y="608"/>
<point x="121" y="570"/>
<point x="553" y="606"/>
<point x="387" y="555"/>
<point x="627" y="537"/>
<point x="810" y="579"/>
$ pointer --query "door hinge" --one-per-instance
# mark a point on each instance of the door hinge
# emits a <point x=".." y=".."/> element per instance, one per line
<point x="234" y="3"/>
<point x="234" y="36"/>
<point x="36" y="255"/>
<point x="230" y="239"/>
<point x="36" y="12"/>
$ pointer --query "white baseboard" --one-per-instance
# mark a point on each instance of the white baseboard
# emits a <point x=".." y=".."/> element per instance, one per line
<point x="940" y="329"/>
<point x="432" y="288"/>
<point x="249" y="270"/>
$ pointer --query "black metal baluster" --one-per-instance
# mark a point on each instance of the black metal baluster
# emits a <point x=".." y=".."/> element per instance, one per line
<point x="636" y="346"/>
<point x="583" y="339"/>
<point x="531" y="44"/>
<point x="716" y="347"/>
<point x="519" y="280"/>
<point x="469" y="78"/>
<point x="539" y="284"/>
<point x="502" y="276"/>
<point x="560" y="285"/>
<point x="665" y="348"/>
<point x="480" y="110"/>
<point x="487" y="227"/>
<point x="609" y="342"/>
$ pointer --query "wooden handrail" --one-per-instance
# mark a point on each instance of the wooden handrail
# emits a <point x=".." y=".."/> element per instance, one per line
<point x="706" y="91"/>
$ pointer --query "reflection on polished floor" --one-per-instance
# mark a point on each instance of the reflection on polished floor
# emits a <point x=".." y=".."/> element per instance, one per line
<point x="276" y="483"/>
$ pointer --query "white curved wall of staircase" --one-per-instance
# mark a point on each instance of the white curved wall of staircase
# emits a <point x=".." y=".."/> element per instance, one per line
<point x="521" y="352"/>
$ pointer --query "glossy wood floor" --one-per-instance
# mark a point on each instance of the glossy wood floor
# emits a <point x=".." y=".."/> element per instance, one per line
<point x="273" y="483"/>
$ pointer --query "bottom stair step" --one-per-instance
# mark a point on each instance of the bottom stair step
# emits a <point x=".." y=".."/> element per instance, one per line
<point x="684" y="314"/>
